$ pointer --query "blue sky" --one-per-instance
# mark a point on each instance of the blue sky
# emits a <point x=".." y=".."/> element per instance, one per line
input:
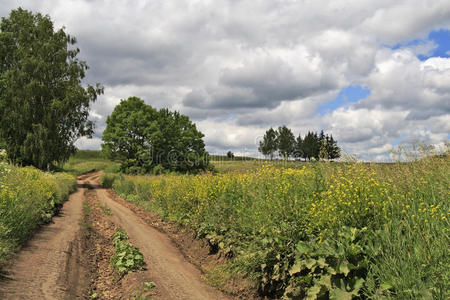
<point x="441" y="38"/>
<point x="346" y="96"/>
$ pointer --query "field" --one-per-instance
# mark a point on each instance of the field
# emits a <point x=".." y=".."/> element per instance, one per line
<point x="307" y="230"/>
<point x="298" y="230"/>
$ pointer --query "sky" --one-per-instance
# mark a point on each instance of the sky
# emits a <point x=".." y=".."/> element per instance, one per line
<point x="374" y="74"/>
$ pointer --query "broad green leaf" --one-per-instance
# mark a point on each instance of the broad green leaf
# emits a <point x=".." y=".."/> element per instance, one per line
<point x="343" y="267"/>
<point x="338" y="294"/>
<point x="321" y="262"/>
<point x="312" y="292"/>
<point x="325" y="280"/>
<point x="357" y="283"/>
<point x="311" y="264"/>
<point x="303" y="248"/>
<point x="296" y="268"/>
<point x="385" y="286"/>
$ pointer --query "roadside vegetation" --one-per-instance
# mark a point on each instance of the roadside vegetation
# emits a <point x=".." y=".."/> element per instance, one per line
<point x="333" y="230"/>
<point x="28" y="199"/>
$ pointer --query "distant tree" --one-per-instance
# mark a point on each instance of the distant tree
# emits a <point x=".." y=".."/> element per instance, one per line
<point x="334" y="150"/>
<point x="321" y="138"/>
<point x="310" y="145"/>
<point x="299" y="151"/>
<point x="182" y="148"/>
<point x="268" y="146"/>
<point x="324" y="152"/>
<point x="132" y="133"/>
<point x="285" y="142"/>
<point x="230" y="155"/>
<point x="142" y="139"/>
<point x="44" y="108"/>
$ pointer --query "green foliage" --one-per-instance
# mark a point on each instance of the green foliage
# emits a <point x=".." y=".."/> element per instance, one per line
<point x="334" y="268"/>
<point x="285" y="142"/>
<point x="342" y="231"/>
<point x="311" y="146"/>
<point x="268" y="146"/>
<point x="126" y="258"/>
<point x="28" y="198"/>
<point x="43" y="105"/>
<point x="107" y="179"/>
<point x="140" y="137"/>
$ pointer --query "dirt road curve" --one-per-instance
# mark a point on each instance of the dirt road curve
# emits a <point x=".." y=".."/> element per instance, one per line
<point x="48" y="268"/>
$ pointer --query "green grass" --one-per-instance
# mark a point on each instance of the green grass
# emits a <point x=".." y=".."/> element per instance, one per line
<point x="299" y="229"/>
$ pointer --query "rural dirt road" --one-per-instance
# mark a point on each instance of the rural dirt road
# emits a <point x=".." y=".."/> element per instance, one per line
<point x="50" y="266"/>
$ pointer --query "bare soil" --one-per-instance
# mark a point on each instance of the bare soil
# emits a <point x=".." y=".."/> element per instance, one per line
<point x="67" y="261"/>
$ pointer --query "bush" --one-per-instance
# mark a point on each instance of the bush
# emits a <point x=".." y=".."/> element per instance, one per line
<point x="107" y="180"/>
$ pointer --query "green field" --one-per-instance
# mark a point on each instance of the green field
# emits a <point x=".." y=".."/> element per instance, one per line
<point x="293" y="229"/>
<point x="333" y="230"/>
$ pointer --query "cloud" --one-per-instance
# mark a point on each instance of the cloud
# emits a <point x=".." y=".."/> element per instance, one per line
<point x="267" y="63"/>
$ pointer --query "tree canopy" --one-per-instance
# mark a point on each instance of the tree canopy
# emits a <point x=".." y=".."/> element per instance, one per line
<point x="285" y="142"/>
<point x="143" y="138"/>
<point x="44" y="108"/>
<point x="268" y="146"/>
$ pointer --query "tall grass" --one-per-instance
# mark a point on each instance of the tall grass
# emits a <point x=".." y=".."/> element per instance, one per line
<point x="320" y="230"/>
<point x="28" y="198"/>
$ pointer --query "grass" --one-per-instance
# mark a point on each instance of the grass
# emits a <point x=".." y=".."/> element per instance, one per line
<point x="333" y="230"/>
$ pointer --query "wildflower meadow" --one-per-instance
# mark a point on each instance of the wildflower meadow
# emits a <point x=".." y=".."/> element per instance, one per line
<point x="333" y="230"/>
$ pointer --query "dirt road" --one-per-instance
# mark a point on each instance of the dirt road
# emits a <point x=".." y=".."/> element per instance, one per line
<point x="49" y="267"/>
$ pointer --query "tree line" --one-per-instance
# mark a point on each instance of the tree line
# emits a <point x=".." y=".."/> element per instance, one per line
<point x="312" y="145"/>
